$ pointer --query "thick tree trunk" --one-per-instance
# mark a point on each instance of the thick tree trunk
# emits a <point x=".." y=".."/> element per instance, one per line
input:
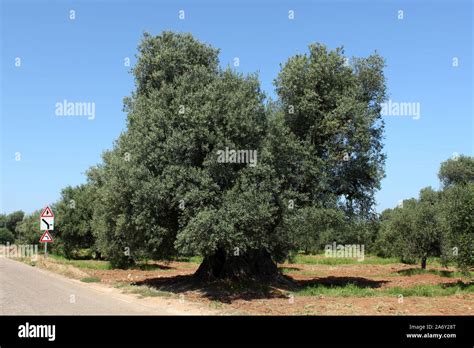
<point x="423" y="263"/>
<point x="253" y="265"/>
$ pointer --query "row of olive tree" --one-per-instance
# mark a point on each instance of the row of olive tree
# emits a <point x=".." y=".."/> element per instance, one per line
<point x="438" y="223"/>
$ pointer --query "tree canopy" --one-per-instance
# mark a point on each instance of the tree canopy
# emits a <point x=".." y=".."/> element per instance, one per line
<point x="163" y="189"/>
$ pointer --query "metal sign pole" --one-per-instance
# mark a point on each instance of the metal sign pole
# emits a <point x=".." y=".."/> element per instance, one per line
<point x="45" y="250"/>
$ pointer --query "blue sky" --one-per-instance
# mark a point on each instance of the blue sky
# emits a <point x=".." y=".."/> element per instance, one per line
<point x="83" y="60"/>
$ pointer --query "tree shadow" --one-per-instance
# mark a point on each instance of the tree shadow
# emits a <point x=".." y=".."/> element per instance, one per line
<point x="462" y="285"/>
<point x="152" y="267"/>
<point x="416" y="271"/>
<point x="227" y="291"/>
<point x="339" y="282"/>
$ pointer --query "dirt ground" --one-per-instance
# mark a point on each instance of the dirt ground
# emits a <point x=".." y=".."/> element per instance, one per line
<point x="176" y="278"/>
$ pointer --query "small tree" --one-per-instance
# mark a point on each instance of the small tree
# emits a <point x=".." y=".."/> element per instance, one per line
<point x="428" y="228"/>
<point x="413" y="231"/>
<point x="6" y="236"/>
<point x="397" y="227"/>
<point x="27" y="230"/>
<point x="74" y="213"/>
<point x="458" y="212"/>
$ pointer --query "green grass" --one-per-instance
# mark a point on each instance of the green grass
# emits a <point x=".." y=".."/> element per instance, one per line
<point x="289" y="270"/>
<point x="286" y="270"/>
<point x="321" y="260"/>
<point x="441" y="273"/>
<point x="90" y="280"/>
<point x="142" y="290"/>
<point x="352" y="290"/>
<point x="349" y="290"/>
<point x="215" y="304"/>
<point x="192" y="259"/>
<point x="433" y="290"/>
<point x="85" y="264"/>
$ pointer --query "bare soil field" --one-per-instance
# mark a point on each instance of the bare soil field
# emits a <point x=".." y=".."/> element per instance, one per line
<point x="312" y="289"/>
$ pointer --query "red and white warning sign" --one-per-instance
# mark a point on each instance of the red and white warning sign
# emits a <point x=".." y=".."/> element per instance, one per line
<point x="47" y="212"/>
<point x="47" y="219"/>
<point x="46" y="238"/>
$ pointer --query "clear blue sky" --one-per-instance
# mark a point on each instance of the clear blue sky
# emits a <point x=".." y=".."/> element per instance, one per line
<point x="83" y="60"/>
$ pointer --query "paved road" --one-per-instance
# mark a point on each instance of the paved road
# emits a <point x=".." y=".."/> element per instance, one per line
<point x="26" y="290"/>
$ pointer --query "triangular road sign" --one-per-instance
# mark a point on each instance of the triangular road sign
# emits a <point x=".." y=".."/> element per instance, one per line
<point x="46" y="237"/>
<point x="47" y="212"/>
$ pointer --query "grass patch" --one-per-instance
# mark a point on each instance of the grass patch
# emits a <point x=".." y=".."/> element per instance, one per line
<point x="433" y="290"/>
<point x="352" y="290"/>
<point x="322" y="260"/>
<point x="285" y="270"/>
<point x="349" y="290"/>
<point x="142" y="290"/>
<point x="215" y="305"/>
<point x="191" y="259"/>
<point x="441" y="273"/>
<point x="90" y="280"/>
<point x="292" y="270"/>
<point x="84" y="264"/>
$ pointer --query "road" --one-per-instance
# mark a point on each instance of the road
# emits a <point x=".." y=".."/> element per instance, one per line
<point x="26" y="290"/>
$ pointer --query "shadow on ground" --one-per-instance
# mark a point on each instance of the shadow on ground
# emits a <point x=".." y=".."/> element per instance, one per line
<point x="153" y="267"/>
<point x="416" y="271"/>
<point x="228" y="291"/>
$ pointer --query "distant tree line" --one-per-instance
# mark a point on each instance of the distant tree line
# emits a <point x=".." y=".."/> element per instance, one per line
<point x="437" y="223"/>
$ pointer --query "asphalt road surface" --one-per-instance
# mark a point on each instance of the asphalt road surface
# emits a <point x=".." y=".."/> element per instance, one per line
<point x="26" y="290"/>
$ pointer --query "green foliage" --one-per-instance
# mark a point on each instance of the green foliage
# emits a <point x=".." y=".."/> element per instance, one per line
<point x="162" y="192"/>
<point x="12" y="220"/>
<point x="6" y="236"/>
<point x="457" y="171"/>
<point x="439" y="223"/>
<point x="332" y="109"/>
<point x="73" y="219"/>
<point x="312" y="228"/>
<point x="9" y="222"/>
<point x="428" y="228"/>
<point x="413" y="231"/>
<point x="28" y="231"/>
<point x="162" y="183"/>
<point x="458" y="212"/>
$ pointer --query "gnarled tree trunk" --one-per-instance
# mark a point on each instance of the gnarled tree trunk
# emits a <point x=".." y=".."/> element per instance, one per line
<point x="253" y="265"/>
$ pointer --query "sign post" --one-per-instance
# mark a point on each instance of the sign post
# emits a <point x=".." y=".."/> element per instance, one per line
<point x="46" y="224"/>
<point x="46" y="238"/>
